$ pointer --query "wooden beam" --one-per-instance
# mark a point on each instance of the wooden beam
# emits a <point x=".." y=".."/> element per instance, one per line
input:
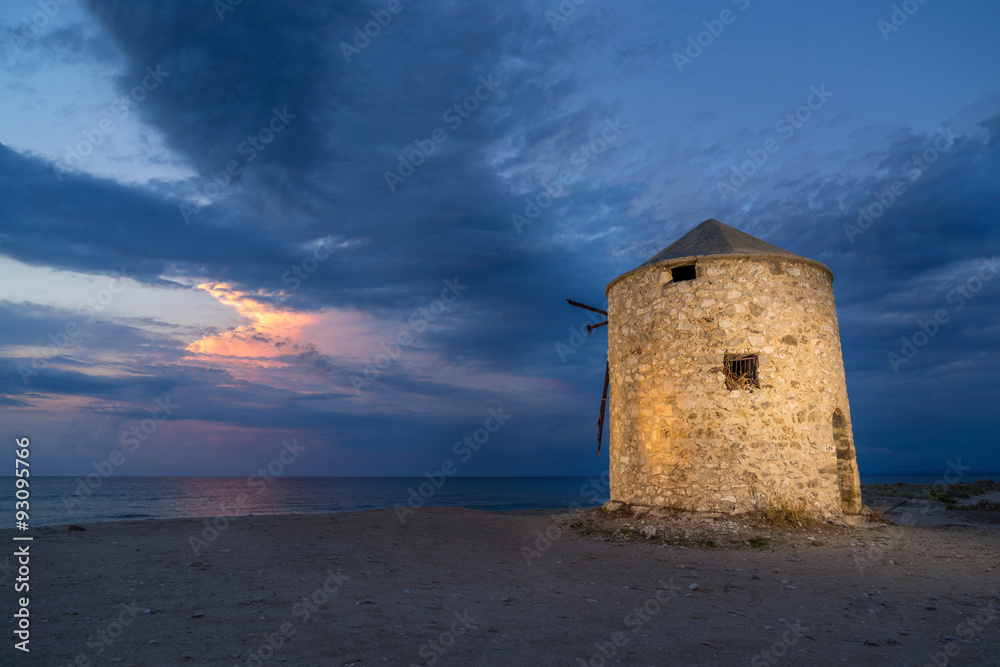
<point x="604" y="402"/>
<point x="586" y="307"/>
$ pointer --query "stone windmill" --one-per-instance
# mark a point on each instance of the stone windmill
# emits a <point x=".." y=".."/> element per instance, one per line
<point x="727" y="380"/>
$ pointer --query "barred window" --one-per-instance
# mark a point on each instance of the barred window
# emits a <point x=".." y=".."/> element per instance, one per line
<point x="741" y="371"/>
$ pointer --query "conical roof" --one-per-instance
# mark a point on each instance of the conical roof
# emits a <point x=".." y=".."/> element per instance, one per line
<point x="715" y="238"/>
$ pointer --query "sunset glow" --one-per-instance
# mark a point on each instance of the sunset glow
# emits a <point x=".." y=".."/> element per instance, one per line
<point x="270" y="331"/>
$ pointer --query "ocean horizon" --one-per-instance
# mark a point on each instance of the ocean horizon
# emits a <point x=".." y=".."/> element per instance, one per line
<point x="57" y="500"/>
<point x="61" y="500"/>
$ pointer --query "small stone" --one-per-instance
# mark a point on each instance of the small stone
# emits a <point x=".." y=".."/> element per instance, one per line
<point x="649" y="531"/>
<point x="693" y="587"/>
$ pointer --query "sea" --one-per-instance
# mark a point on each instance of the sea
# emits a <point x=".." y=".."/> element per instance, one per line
<point x="65" y="500"/>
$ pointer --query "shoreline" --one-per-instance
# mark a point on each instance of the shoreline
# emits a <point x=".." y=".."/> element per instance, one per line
<point x="460" y="586"/>
<point x="916" y="500"/>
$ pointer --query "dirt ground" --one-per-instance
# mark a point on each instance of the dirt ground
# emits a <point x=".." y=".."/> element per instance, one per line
<point x="464" y="587"/>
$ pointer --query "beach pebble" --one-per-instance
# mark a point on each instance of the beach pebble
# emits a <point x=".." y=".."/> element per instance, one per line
<point x="693" y="587"/>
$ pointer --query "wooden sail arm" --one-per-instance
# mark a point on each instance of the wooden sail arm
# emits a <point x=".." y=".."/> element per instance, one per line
<point x="586" y="307"/>
<point x="604" y="402"/>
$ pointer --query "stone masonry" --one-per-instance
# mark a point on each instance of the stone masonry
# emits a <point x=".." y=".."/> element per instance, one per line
<point x="679" y="437"/>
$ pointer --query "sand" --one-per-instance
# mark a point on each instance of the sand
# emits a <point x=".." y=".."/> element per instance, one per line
<point x="464" y="587"/>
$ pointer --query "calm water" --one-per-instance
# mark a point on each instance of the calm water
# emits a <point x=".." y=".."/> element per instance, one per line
<point x="60" y="500"/>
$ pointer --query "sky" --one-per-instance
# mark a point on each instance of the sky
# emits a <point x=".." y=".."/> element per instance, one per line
<point x="353" y="225"/>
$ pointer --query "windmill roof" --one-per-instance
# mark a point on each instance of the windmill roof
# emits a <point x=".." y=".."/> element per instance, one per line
<point x="715" y="238"/>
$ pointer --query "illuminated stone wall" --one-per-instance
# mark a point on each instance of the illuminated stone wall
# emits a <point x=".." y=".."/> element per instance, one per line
<point x="680" y="438"/>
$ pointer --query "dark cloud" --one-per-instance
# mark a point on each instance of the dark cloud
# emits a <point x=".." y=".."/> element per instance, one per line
<point x="345" y="124"/>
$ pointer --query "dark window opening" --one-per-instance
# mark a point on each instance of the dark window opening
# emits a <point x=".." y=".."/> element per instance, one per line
<point x="680" y="273"/>
<point x="741" y="372"/>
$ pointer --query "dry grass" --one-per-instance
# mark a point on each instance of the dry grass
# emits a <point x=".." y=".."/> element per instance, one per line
<point x="775" y="510"/>
<point x="880" y="513"/>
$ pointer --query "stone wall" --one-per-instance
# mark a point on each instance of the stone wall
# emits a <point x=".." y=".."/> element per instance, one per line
<point x="680" y="438"/>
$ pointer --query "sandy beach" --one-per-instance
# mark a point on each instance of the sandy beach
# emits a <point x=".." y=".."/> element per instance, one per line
<point x="464" y="587"/>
